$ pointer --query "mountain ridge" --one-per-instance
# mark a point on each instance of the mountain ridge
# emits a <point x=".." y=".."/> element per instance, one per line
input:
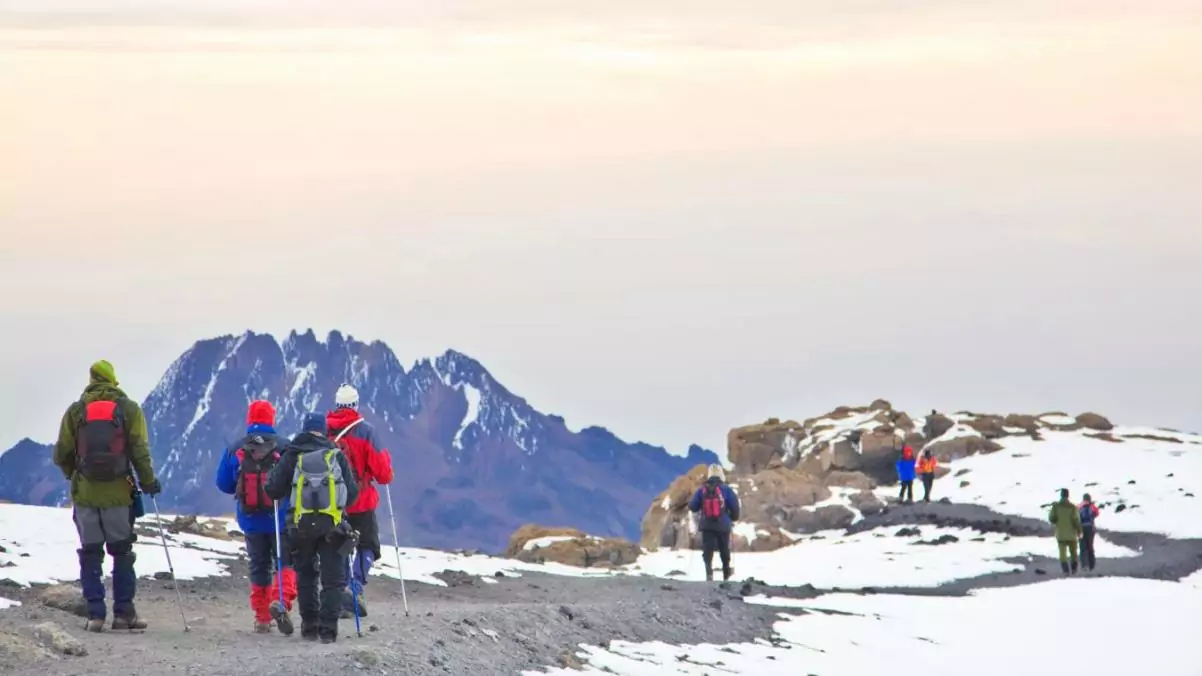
<point x="474" y="460"/>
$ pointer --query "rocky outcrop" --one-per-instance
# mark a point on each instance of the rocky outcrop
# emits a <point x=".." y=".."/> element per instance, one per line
<point x="785" y="473"/>
<point x="570" y="547"/>
<point x="207" y="528"/>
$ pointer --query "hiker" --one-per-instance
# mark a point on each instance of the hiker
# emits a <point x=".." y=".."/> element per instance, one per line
<point x="1067" y="519"/>
<point x="356" y="438"/>
<point x="926" y="470"/>
<point x="1088" y="513"/>
<point x="718" y="507"/>
<point x="243" y="473"/>
<point x="102" y="442"/>
<point x="905" y="475"/>
<point x="319" y="479"/>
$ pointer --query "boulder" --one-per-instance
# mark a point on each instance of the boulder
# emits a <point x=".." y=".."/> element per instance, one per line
<point x="961" y="447"/>
<point x="902" y="421"/>
<point x="1094" y="421"/>
<point x="762" y="496"/>
<point x="528" y="532"/>
<point x="65" y="597"/>
<point x="880" y="405"/>
<point x="849" y="480"/>
<point x="989" y="426"/>
<point x="756" y="447"/>
<point x="767" y="538"/>
<point x="936" y="425"/>
<point x="584" y="552"/>
<point x="828" y="517"/>
<point x="1028" y="423"/>
<point x="52" y="636"/>
<point x="667" y="522"/>
<point x="867" y="502"/>
<point x="193" y="525"/>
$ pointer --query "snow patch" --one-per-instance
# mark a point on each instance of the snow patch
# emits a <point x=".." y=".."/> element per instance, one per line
<point x="472" y="416"/>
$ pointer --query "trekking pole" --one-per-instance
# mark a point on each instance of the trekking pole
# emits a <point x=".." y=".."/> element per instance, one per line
<point x="170" y="568"/>
<point x="396" y="546"/>
<point x="354" y="595"/>
<point x="279" y="551"/>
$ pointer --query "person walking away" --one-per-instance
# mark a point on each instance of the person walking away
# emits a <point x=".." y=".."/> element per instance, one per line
<point x="243" y="473"/>
<point x="318" y="480"/>
<point x="926" y="469"/>
<point x="1067" y="519"/>
<point x="1088" y="513"/>
<point x="718" y="507"/>
<point x="356" y="438"/>
<point x="905" y="476"/>
<point x="102" y="443"/>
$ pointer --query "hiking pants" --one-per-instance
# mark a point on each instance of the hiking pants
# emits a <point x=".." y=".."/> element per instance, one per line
<point x="1068" y="551"/>
<point x="1088" y="560"/>
<point x="711" y="541"/>
<point x="368" y="550"/>
<point x="111" y="529"/>
<point x="260" y="550"/>
<point x="309" y="556"/>
<point x="907" y="488"/>
<point x="928" y="480"/>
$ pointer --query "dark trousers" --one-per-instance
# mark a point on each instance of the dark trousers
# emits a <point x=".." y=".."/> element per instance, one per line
<point x="1088" y="560"/>
<point x="711" y="541"/>
<point x="108" y="529"/>
<point x="928" y="480"/>
<point x="907" y="490"/>
<point x="311" y="555"/>
<point x="261" y="555"/>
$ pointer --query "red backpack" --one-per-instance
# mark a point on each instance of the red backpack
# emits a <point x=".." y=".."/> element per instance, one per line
<point x="713" y="503"/>
<point x="100" y="442"/>
<point x="256" y="458"/>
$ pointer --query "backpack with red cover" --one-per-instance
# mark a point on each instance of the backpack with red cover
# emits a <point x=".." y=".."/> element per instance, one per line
<point x="100" y="442"/>
<point x="713" y="503"/>
<point x="257" y="456"/>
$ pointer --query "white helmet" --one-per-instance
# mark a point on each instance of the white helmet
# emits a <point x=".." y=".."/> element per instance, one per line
<point x="346" y="397"/>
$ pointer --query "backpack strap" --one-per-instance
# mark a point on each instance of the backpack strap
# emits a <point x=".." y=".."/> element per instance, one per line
<point x="346" y="429"/>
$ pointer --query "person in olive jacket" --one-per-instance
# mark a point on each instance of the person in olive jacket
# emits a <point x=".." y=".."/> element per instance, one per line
<point x="102" y="442"/>
<point x="1067" y="519"/>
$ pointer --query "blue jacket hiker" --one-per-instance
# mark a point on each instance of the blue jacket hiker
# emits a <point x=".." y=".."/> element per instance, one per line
<point x="905" y="475"/>
<point x="243" y="473"/>
<point x="717" y="507"/>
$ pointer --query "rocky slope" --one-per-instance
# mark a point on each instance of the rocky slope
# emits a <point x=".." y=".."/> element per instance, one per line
<point x="797" y="478"/>
<point x="474" y="461"/>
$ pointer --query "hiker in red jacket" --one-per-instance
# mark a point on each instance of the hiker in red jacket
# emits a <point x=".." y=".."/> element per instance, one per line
<point x="357" y="439"/>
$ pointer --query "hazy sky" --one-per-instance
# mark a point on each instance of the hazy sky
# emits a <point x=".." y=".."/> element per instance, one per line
<point x="669" y="217"/>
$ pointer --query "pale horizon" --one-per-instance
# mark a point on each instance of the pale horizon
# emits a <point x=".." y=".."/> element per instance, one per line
<point x="667" y="218"/>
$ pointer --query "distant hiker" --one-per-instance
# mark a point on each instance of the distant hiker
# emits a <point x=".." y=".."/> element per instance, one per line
<point x="319" y="480"/>
<point x="718" y="507"/>
<point x="905" y="475"/>
<point x="926" y="470"/>
<point x="102" y="442"/>
<point x="356" y="438"/>
<point x="1088" y="512"/>
<point x="1067" y="519"/>
<point x="243" y="473"/>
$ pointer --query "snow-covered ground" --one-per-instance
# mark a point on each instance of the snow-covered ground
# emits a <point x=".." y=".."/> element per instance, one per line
<point x="1157" y="481"/>
<point x="1096" y="626"/>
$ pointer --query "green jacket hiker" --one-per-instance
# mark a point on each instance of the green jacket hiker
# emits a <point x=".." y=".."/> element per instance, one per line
<point x="118" y="492"/>
<point x="1067" y="519"/>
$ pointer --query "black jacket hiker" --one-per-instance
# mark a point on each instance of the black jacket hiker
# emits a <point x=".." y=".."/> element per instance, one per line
<point x="316" y="544"/>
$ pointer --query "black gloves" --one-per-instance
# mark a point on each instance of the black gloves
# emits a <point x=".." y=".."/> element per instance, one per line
<point x="152" y="487"/>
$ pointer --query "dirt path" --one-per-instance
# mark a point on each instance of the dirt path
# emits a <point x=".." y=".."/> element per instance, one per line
<point x="470" y="627"/>
<point x="527" y="622"/>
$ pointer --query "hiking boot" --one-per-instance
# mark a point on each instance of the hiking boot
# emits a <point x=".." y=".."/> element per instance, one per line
<point x="95" y="625"/>
<point x="362" y="604"/>
<point x="129" y="623"/>
<point x="283" y="621"/>
<point x="728" y="573"/>
<point x="709" y="576"/>
<point x="262" y="627"/>
<point x="309" y="631"/>
<point x="1074" y="567"/>
<point x="348" y="605"/>
<point x="329" y="637"/>
<point x="1064" y="567"/>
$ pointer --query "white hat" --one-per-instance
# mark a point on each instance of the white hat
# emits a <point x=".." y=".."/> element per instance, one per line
<point x="346" y="397"/>
<point x="717" y="471"/>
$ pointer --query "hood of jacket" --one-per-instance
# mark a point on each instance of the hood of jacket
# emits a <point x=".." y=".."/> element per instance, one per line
<point x="307" y="442"/>
<point x="339" y="418"/>
<point x="99" y="390"/>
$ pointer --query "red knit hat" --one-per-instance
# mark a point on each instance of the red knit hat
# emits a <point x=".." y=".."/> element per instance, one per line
<point x="261" y="413"/>
<point x="907" y="452"/>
